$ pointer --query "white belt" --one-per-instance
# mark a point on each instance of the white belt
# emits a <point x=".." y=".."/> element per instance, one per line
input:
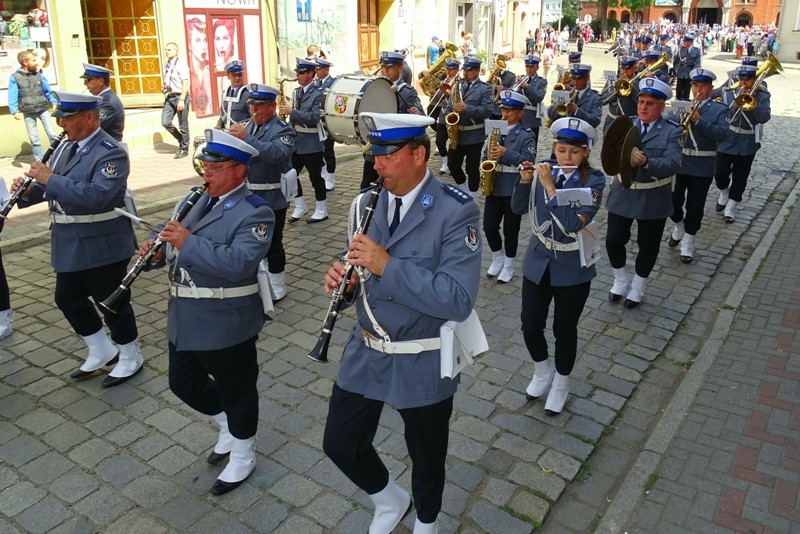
<point x="704" y="153"/>
<point x="61" y="218"/>
<point x="177" y="290"/>
<point x="262" y="187"/>
<point x="552" y="244"/>
<point x="414" y="346"/>
<point x="741" y="130"/>
<point x="613" y="115"/>
<point x="650" y="185"/>
<point x="473" y="127"/>
<point x="305" y="129"/>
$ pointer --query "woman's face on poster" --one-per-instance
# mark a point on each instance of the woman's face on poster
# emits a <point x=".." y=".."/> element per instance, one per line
<point x="223" y="41"/>
<point x="199" y="45"/>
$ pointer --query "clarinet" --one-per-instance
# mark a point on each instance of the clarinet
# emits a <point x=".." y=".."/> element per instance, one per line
<point x="112" y="303"/>
<point x="320" y="351"/>
<point x="16" y="195"/>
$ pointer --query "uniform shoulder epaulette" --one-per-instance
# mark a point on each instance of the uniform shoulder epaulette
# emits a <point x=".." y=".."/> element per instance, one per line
<point x="255" y="200"/>
<point x="672" y="122"/>
<point x="457" y="193"/>
<point x="108" y="144"/>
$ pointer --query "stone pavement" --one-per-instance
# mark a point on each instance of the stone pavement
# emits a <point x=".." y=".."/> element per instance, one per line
<point x="76" y="458"/>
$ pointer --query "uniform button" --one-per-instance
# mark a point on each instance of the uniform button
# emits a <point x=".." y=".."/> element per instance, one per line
<point x="390" y="299"/>
<point x="373" y="306"/>
<point x="414" y="253"/>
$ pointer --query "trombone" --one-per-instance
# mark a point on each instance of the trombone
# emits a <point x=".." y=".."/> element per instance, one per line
<point x="746" y="99"/>
<point x="445" y="88"/>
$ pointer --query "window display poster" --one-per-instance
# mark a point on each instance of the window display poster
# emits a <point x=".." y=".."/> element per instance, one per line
<point x="200" y="64"/>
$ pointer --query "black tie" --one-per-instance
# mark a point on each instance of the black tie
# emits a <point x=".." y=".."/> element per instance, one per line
<point x="72" y="151"/>
<point x="644" y="130"/>
<point x="211" y="202"/>
<point x="398" y="202"/>
<point x="561" y="180"/>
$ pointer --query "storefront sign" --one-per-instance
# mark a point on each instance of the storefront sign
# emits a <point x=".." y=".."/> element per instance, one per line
<point x="220" y="4"/>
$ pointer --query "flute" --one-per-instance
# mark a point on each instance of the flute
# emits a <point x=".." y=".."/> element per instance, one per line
<point x="562" y="167"/>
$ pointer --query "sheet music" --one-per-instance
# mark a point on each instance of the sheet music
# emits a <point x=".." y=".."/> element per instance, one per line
<point x="491" y="124"/>
<point x="561" y="97"/>
<point x="681" y="106"/>
<point x="578" y="195"/>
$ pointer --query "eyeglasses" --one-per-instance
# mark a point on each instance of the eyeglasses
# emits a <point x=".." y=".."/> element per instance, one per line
<point x="216" y="170"/>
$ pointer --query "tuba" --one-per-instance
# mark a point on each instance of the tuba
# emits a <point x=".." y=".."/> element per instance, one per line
<point x="493" y="80"/>
<point x="282" y="95"/>
<point x="489" y="166"/>
<point x="430" y="84"/>
<point x="453" y="118"/>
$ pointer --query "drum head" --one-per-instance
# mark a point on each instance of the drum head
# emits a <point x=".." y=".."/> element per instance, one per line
<point x="350" y="95"/>
<point x="378" y="97"/>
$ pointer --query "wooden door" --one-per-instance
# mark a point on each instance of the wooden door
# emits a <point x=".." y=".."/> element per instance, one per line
<point x="368" y="36"/>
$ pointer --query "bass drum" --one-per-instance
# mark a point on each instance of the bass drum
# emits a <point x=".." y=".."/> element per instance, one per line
<point x="349" y="96"/>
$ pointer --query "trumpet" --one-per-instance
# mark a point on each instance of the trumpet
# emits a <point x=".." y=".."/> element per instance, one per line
<point x="522" y="80"/>
<point x="686" y="122"/>
<point x="563" y="109"/>
<point x="112" y="303"/>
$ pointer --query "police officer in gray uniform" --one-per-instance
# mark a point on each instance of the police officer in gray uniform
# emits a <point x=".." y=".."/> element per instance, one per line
<point x="650" y="57"/>
<point x="112" y="114"/>
<point x="512" y="149"/>
<point x="534" y="89"/>
<point x="304" y="115"/>
<point x="274" y="140"/>
<point x="623" y="105"/>
<point x="505" y="79"/>
<point x="214" y="311"/>
<point x="421" y="257"/>
<point x="90" y="243"/>
<point x="648" y="201"/>
<point x="587" y="105"/>
<point x="707" y="126"/>
<point x="735" y="154"/>
<point x="686" y="59"/>
<point x="324" y="81"/>
<point x="477" y="102"/>
<point x="234" y="108"/>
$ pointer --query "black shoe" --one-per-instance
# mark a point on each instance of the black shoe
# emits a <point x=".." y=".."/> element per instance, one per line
<point x="181" y="154"/>
<point x="686" y="259"/>
<point x="613" y="297"/>
<point x="111" y="381"/>
<point x="719" y="207"/>
<point x="312" y="221"/>
<point x="216" y="457"/>
<point x="729" y="219"/>
<point x="221" y="487"/>
<point x="79" y="375"/>
<point x="631" y="304"/>
<point x="551" y="413"/>
<point x="673" y="242"/>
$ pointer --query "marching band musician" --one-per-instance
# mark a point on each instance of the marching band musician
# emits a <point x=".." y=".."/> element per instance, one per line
<point x="392" y="64"/>
<point x="534" y="89"/>
<point x="707" y="125"/>
<point x="451" y="68"/>
<point x="686" y="59"/>
<point x="235" y="108"/>
<point x="587" y="103"/>
<point x="304" y="115"/>
<point x="512" y="149"/>
<point x="733" y="77"/>
<point x="90" y="243"/>
<point x="552" y="267"/>
<point x="112" y="113"/>
<point x="650" y="57"/>
<point x="506" y="80"/>
<point x="324" y="81"/>
<point x="736" y="152"/>
<point x="648" y="201"/>
<point x="477" y="102"/>
<point x="214" y="311"/>
<point x="421" y="256"/>
<point x="274" y="140"/>
<point x="665" y="48"/>
<point x="638" y="49"/>
<point x="574" y="57"/>
<point x="623" y="105"/>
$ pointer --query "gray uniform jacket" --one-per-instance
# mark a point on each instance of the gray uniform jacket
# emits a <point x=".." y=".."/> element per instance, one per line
<point x="590" y="108"/>
<point x="565" y="266"/>
<point x="112" y="114"/>
<point x="325" y="84"/>
<point x="408" y="98"/>
<point x="274" y="141"/>
<point x="432" y="277"/>
<point x="621" y="105"/>
<point x="305" y="116"/>
<point x="92" y="182"/>
<point x="700" y="146"/>
<point x="742" y="138"/>
<point x="535" y="92"/>
<point x="520" y="146"/>
<point x="685" y="61"/>
<point x="479" y="99"/>
<point x="234" y="103"/>
<point x="662" y="146"/>
<point x="223" y="250"/>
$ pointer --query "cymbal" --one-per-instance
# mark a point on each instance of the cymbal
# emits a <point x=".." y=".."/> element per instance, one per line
<point x="612" y="144"/>
<point x="627" y="172"/>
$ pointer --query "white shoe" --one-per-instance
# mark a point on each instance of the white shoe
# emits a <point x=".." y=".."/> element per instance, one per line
<point x="543" y="373"/>
<point x="225" y="439"/>
<point x="130" y="360"/>
<point x="620" y="286"/>
<point x="101" y="351"/>
<point x="497" y="263"/>
<point x="300" y="209"/>
<point x="320" y="212"/>
<point x="6" y="317"/>
<point x="559" y="391"/>
<point x="278" y="283"/>
<point x="426" y="528"/>
<point x="636" y="292"/>
<point x="730" y="211"/>
<point x="687" y="248"/>
<point x="444" y="168"/>
<point x="507" y="273"/>
<point x="330" y="180"/>
<point x="241" y="463"/>
<point x="391" y="504"/>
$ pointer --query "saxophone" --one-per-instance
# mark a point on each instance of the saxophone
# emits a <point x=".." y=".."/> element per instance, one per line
<point x="453" y="118"/>
<point x="489" y="166"/>
<point x="282" y="95"/>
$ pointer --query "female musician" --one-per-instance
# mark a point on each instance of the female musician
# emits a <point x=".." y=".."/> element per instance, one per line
<point x="552" y="266"/>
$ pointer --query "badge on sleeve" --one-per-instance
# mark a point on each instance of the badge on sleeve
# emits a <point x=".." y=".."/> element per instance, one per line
<point x="229" y="204"/>
<point x="110" y="170"/>
<point x="286" y="140"/>
<point x="103" y="114"/>
<point x="471" y="238"/>
<point x="595" y="196"/>
<point x="261" y="232"/>
<point x="427" y="200"/>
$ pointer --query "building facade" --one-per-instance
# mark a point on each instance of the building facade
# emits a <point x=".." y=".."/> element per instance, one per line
<point x="723" y="12"/>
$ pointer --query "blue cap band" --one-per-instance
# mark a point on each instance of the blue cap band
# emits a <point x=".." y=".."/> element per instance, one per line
<point x="227" y="152"/>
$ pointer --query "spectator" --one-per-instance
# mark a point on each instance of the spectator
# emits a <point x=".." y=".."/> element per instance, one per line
<point x="29" y="98"/>
<point x="433" y="51"/>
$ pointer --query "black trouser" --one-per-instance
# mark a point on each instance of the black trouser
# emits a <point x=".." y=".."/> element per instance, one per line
<point x="441" y="139"/>
<point x="693" y="190"/>
<point x="683" y="87"/>
<point x="495" y="211"/>
<point x="329" y="155"/>
<point x="368" y="173"/>
<point x="569" y="302"/>
<point x="313" y="162"/>
<point x="230" y="388"/>
<point x="170" y="109"/>
<point x="649" y="232"/>
<point x="276" y="255"/>
<point x="455" y="158"/>
<point x="5" y="293"/>
<point x="72" y="298"/>
<point x="349" y="431"/>
<point x="733" y="171"/>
